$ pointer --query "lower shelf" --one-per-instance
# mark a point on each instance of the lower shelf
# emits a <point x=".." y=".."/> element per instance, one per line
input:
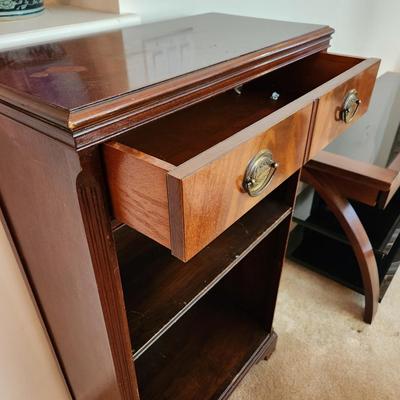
<point x="204" y="355"/>
<point x="197" y="327"/>
<point x="336" y="260"/>
<point x="382" y="226"/>
<point x="319" y="243"/>
<point x="159" y="288"/>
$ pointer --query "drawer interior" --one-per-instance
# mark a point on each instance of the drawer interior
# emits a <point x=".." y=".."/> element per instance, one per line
<point x="184" y="134"/>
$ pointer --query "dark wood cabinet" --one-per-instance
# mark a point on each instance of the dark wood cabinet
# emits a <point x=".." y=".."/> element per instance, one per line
<point x="148" y="178"/>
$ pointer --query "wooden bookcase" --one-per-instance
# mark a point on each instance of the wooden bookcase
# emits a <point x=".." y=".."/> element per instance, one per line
<point x="150" y="203"/>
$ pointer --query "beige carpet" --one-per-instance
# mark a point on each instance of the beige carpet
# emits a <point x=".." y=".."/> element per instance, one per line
<point x="324" y="350"/>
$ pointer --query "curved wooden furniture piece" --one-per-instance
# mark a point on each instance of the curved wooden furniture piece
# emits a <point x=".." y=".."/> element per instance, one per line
<point x="355" y="232"/>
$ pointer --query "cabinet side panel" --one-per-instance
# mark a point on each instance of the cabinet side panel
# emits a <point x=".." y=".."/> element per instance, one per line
<point x="39" y="197"/>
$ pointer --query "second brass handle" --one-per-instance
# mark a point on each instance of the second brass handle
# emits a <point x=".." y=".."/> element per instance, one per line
<point x="350" y="106"/>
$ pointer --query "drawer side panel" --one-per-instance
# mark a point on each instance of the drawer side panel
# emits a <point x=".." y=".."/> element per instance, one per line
<point x="138" y="190"/>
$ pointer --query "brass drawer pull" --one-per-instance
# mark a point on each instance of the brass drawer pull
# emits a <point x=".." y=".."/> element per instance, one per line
<point x="259" y="173"/>
<point x="350" y="106"/>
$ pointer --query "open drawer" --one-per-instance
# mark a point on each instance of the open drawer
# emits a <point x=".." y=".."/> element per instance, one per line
<point x="185" y="178"/>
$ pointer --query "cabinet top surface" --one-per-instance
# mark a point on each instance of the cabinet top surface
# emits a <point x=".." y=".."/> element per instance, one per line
<point x="59" y="79"/>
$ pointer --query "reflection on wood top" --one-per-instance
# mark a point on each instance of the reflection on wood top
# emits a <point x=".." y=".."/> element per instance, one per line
<point x="77" y="83"/>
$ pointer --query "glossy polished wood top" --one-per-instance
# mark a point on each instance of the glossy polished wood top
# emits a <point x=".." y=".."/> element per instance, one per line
<point x="78" y="83"/>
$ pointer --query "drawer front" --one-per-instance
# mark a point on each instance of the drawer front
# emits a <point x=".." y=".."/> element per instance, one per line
<point x="329" y="121"/>
<point x="205" y="201"/>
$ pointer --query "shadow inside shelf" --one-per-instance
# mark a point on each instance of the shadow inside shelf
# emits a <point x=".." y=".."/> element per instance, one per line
<point x="159" y="288"/>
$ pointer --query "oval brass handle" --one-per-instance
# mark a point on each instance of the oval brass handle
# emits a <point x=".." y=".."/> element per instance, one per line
<point x="259" y="173"/>
<point x="350" y="106"/>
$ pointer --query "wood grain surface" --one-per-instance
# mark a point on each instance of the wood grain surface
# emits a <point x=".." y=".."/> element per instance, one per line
<point x="96" y="86"/>
<point x="206" y="197"/>
<point x="368" y="183"/>
<point x="138" y="188"/>
<point x="178" y="180"/>
<point x="96" y="218"/>
<point x="41" y="203"/>
<point x="204" y="191"/>
<point x="355" y="232"/>
<point x="195" y="358"/>
<point x="328" y="124"/>
<point x="163" y="288"/>
<point x="357" y="171"/>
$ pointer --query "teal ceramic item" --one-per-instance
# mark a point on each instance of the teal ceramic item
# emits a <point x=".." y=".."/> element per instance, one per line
<point x="16" y="8"/>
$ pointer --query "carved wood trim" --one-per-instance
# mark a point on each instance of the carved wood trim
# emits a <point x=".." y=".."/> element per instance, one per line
<point x="151" y="106"/>
<point x="98" y="230"/>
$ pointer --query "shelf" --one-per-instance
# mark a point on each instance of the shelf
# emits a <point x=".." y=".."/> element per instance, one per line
<point x="382" y="226"/>
<point x="320" y="244"/>
<point x="336" y="260"/>
<point x="159" y="289"/>
<point x="203" y="355"/>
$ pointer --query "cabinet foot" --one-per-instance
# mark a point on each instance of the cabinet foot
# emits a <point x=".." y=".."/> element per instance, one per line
<point x="270" y="345"/>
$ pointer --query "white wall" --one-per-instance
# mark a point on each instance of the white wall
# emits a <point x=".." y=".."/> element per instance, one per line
<point x="28" y="367"/>
<point x="369" y="28"/>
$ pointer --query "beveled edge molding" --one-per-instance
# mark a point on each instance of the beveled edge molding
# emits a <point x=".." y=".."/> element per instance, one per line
<point x="210" y="75"/>
<point x="101" y="121"/>
<point x="90" y="126"/>
<point x="105" y="265"/>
